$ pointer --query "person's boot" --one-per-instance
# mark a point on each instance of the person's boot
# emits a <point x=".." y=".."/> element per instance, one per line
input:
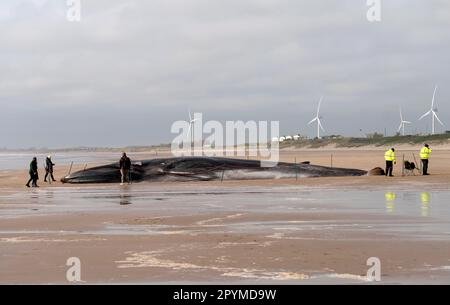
<point x="27" y="185"/>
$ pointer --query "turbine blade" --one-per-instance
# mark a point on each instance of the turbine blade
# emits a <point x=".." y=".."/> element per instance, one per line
<point x="407" y="122"/>
<point x="401" y="115"/>
<point x="434" y="94"/>
<point x="190" y="117"/>
<point x="320" y="125"/>
<point x="425" y="115"/>
<point x="189" y="129"/>
<point x="437" y="118"/>
<point x="400" y="127"/>
<point x="313" y="120"/>
<point x="320" y="103"/>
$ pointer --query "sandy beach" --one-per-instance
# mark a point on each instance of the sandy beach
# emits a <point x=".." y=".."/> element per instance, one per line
<point x="310" y="230"/>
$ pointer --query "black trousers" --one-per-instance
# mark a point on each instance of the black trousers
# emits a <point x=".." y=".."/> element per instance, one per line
<point x="33" y="178"/>
<point x="49" y="174"/>
<point x="425" y="166"/>
<point x="389" y="168"/>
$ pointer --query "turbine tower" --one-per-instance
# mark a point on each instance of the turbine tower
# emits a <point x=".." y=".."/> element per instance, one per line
<point x="433" y="112"/>
<point x="317" y="119"/>
<point x="191" y="127"/>
<point x="402" y="123"/>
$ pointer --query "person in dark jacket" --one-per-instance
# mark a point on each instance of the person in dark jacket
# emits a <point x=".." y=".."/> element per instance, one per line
<point x="49" y="169"/>
<point x="125" y="166"/>
<point x="34" y="176"/>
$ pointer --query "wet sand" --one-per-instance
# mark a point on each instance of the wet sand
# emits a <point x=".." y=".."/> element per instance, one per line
<point x="317" y="230"/>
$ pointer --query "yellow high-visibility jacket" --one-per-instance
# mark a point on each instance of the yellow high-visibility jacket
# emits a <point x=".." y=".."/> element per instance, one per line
<point x="390" y="155"/>
<point x="425" y="153"/>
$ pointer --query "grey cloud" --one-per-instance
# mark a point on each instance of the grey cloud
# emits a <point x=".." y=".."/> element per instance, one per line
<point x="251" y="59"/>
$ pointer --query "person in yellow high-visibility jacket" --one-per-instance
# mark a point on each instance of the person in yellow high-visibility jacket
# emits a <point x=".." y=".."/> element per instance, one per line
<point x="389" y="156"/>
<point x="425" y="153"/>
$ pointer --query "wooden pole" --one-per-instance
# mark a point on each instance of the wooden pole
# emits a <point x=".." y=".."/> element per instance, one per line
<point x="223" y="172"/>
<point x="403" y="165"/>
<point x="417" y="164"/>
<point x="296" y="169"/>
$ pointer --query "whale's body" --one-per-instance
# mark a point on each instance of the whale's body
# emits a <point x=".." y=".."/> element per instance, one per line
<point x="205" y="169"/>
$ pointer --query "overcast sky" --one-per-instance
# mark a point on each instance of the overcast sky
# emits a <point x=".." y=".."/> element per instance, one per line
<point x="131" y="68"/>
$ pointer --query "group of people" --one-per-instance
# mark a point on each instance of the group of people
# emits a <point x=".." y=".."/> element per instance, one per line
<point x="34" y="174"/>
<point x="391" y="159"/>
<point x="124" y="164"/>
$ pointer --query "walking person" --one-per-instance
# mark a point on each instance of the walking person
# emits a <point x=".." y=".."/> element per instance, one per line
<point x="49" y="169"/>
<point x="125" y="166"/>
<point x="34" y="175"/>
<point x="425" y="153"/>
<point x="390" y="158"/>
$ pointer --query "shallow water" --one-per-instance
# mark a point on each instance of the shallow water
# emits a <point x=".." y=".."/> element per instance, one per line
<point x="427" y="213"/>
<point x="21" y="160"/>
<point x="212" y="210"/>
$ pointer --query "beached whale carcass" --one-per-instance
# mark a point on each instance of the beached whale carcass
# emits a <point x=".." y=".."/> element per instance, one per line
<point x="205" y="169"/>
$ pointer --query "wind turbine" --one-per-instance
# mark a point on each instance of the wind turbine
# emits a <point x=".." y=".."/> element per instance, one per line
<point x="317" y="119"/>
<point x="402" y="123"/>
<point x="433" y="112"/>
<point x="191" y="125"/>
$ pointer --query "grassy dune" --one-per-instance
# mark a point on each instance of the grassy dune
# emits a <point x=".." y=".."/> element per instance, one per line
<point x="344" y="142"/>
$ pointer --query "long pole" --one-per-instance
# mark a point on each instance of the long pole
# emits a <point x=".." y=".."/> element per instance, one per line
<point x="418" y="165"/>
<point x="296" y="169"/>
<point x="403" y="165"/>
<point x="70" y="169"/>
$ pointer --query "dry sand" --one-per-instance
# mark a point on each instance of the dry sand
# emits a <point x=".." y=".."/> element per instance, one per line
<point x="218" y="244"/>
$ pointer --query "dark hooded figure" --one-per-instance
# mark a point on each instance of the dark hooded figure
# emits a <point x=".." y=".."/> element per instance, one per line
<point x="34" y="176"/>
<point x="49" y="169"/>
<point x="125" y="166"/>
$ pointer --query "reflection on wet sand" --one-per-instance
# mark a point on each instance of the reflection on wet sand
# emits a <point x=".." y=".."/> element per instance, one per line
<point x="425" y="199"/>
<point x="212" y="233"/>
<point x="390" y="202"/>
<point x="125" y="199"/>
